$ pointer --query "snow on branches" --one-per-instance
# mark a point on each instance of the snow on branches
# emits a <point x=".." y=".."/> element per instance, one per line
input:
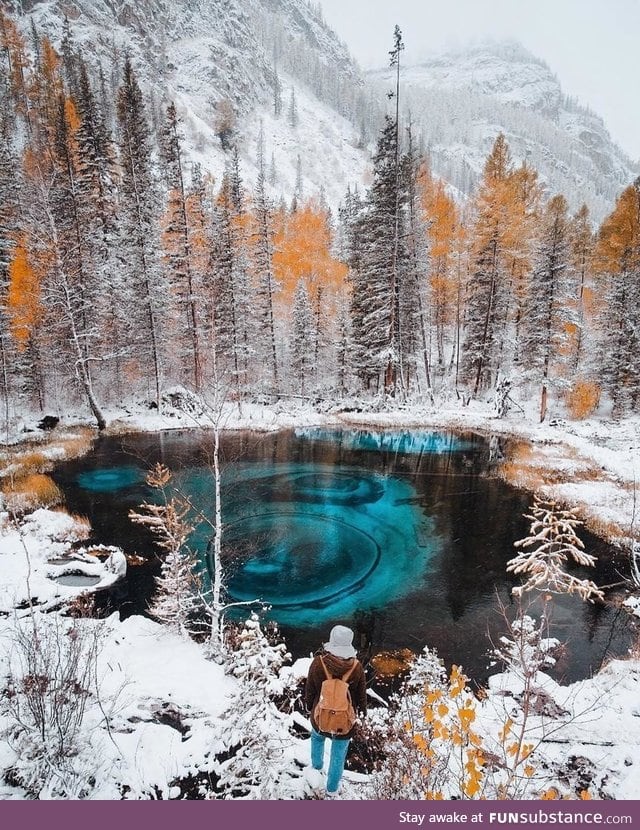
<point x="552" y="542"/>
<point x="176" y="598"/>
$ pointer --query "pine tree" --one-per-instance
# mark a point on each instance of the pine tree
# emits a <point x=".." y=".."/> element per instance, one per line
<point x="302" y="338"/>
<point x="9" y="221"/>
<point x="70" y="58"/>
<point x="547" y="309"/>
<point x="376" y="271"/>
<point x="231" y="308"/>
<point x="256" y="733"/>
<point x="138" y="225"/>
<point x="263" y="264"/>
<point x="618" y="259"/>
<point x="277" y="93"/>
<point x="414" y="335"/>
<point x="73" y="288"/>
<point x="292" y="111"/>
<point x="179" y="257"/>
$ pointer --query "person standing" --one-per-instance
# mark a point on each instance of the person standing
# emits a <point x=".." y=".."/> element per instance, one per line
<point x="337" y="659"/>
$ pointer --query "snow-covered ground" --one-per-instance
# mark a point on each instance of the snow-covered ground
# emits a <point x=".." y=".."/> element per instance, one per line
<point x="167" y="701"/>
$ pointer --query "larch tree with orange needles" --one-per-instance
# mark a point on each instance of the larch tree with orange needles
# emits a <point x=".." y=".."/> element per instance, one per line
<point x="442" y="221"/>
<point x="582" y="242"/>
<point x="505" y="208"/>
<point x="15" y="63"/>
<point x="303" y="244"/>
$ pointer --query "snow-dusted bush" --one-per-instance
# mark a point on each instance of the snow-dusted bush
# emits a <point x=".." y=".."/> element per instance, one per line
<point x="50" y="680"/>
<point x="551" y="544"/>
<point x="260" y="761"/>
<point x="176" y="598"/>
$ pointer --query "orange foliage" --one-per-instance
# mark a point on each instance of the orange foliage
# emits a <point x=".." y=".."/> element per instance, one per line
<point x="445" y="234"/>
<point x="618" y="247"/>
<point x="30" y="492"/>
<point x="23" y="298"/>
<point x="583" y="399"/>
<point x="302" y="250"/>
<point x="12" y="42"/>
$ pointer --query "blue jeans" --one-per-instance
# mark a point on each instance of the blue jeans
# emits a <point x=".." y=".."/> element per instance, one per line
<point x="338" y="756"/>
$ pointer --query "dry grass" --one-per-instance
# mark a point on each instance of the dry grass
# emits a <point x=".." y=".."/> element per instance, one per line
<point x="40" y="456"/>
<point x="29" y="492"/>
<point x="530" y="471"/>
<point x="33" y="462"/>
<point x="77" y="444"/>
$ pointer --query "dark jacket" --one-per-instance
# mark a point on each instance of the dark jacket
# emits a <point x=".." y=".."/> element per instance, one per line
<point x="337" y="667"/>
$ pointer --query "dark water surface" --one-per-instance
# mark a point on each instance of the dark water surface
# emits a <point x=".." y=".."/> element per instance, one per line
<point x="403" y="536"/>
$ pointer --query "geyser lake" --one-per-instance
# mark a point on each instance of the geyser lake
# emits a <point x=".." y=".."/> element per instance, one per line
<point x="404" y="536"/>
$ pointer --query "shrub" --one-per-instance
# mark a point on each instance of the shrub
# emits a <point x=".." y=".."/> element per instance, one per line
<point x="583" y="399"/>
<point x="50" y="681"/>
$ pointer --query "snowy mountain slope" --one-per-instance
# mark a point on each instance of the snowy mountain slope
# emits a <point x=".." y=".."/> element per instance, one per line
<point x="202" y="54"/>
<point x="206" y="55"/>
<point x="459" y="102"/>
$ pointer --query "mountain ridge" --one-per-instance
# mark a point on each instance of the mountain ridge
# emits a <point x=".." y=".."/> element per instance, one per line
<point x="461" y="99"/>
<point x="211" y="54"/>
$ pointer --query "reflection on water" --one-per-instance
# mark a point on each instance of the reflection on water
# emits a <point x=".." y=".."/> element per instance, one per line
<point x="404" y="537"/>
<point x="400" y="441"/>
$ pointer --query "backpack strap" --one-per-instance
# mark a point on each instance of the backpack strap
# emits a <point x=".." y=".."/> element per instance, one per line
<point x="326" y="671"/>
<point x="347" y="675"/>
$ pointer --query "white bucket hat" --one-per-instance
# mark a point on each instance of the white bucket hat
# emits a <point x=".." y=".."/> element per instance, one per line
<point x="340" y="642"/>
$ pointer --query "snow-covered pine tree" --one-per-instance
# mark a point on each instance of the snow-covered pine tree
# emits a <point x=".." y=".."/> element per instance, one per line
<point x="277" y="92"/>
<point x="70" y="58"/>
<point x="138" y="229"/>
<point x="376" y="271"/>
<point x="96" y="180"/>
<point x="413" y="313"/>
<point x="177" y="593"/>
<point x="230" y="299"/>
<point x="179" y="257"/>
<point x="255" y="730"/>
<point x="9" y="214"/>
<point x="548" y="311"/>
<point x="552" y="544"/>
<point x="618" y="256"/>
<point x="263" y="266"/>
<point x="292" y="111"/>
<point x="303" y="338"/>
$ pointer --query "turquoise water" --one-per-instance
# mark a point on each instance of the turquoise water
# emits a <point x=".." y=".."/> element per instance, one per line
<point x="404" y="441"/>
<point x="313" y="541"/>
<point x="111" y="479"/>
<point x="404" y="537"/>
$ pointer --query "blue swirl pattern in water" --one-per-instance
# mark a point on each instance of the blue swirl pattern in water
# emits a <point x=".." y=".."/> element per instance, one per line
<point x="109" y="480"/>
<point x="314" y="541"/>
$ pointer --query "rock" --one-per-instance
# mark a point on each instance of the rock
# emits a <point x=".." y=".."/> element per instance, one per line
<point x="49" y="422"/>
